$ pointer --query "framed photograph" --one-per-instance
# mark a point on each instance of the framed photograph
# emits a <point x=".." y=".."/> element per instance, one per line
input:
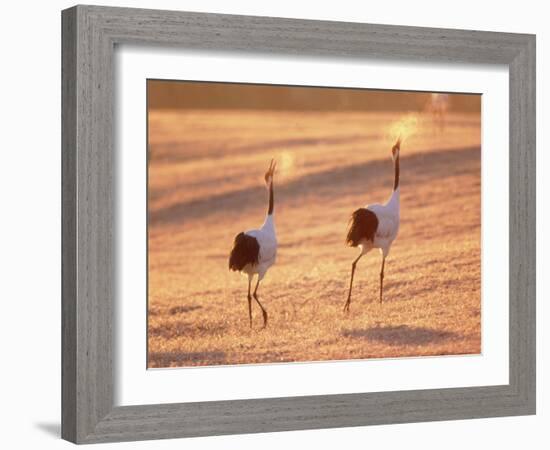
<point x="277" y="224"/>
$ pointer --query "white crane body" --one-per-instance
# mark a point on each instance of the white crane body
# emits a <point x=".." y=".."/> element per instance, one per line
<point x="388" y="225"/>
<point x="267" y="240"/>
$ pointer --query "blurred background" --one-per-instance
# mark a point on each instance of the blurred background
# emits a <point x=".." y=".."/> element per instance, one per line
<point x="208" y="95"/>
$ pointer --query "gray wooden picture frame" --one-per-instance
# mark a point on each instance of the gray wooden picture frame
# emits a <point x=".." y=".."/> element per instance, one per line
<point x="89" y="37"/>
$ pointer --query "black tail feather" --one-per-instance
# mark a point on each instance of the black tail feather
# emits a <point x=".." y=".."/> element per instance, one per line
<point x="246" y="250"/>
<point x="363" y="224"/>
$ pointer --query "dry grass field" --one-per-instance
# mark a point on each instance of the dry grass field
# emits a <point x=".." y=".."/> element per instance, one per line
<point x="205" y="186"/>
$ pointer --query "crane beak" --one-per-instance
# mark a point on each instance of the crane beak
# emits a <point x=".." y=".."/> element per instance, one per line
<point x="270" y="170"/>
<point x="396" y="147"/>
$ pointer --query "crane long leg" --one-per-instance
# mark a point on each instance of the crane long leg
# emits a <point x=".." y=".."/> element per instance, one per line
<point x="249" y="301"/>
<point x="382" y="277"/>
<point x="353" y="264"/>
<point x="264" y="312"/>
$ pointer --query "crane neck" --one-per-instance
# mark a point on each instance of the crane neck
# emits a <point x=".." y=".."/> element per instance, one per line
<point x="396" y="179"/>
<point x="270" y="205"/>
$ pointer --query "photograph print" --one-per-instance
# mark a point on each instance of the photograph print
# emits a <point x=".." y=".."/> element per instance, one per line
<point x="300" y="224"/>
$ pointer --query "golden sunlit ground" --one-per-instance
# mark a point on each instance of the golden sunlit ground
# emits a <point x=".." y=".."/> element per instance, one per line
<point x="205" y="186"/>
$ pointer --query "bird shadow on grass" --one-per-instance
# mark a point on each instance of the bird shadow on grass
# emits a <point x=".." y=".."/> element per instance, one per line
<point x="167" y="359"/>
<point x="441" y="286"/>
<point x="187" y="329"/>
<point x="183" y="309"/>
<point x="400" y="335"/>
